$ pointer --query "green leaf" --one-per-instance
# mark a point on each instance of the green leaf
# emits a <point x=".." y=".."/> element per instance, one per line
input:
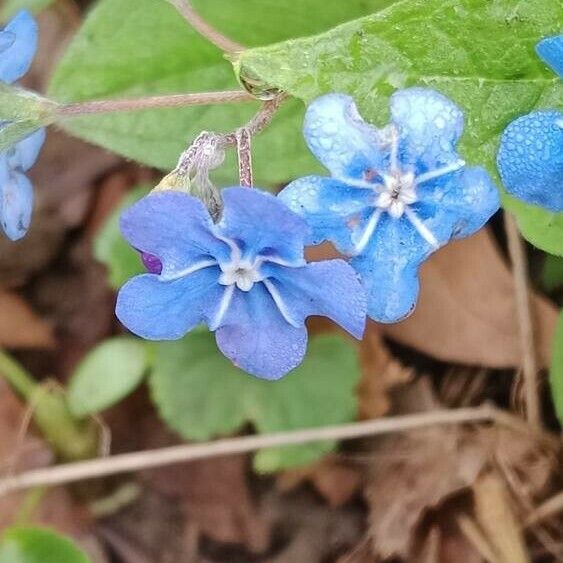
<point x="38" y="545"/>
<point x="107" y="374"/>
<point x="143" y="47"/>
<point x="552" y="274"/>
<point x="110" y="248"/>
<point x="478" y="52"/>
<point x="556" y="373"/>
<point x="200" y="394"/>
<point x="541" y="227"/>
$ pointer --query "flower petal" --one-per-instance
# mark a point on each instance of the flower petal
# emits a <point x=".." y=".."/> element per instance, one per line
<point x="260" y="222"/>
<point x="159" y="310"/>
<point x="550" y="51"/>
<point x="331" y="208"/>
<point x="530" y="159"/>
<point x="340" y="139"/>
<point x="16" y="58"/>
<point x="16" y="202"/>
<point x="462" y="203"/>
<point x="330" y="289"/>
<point x="174" y="227"/>
<point x="25" y="153"/>
<point x="430" y="126"/>
<point x="255" y="336"/>
<point x="388" y="269"/>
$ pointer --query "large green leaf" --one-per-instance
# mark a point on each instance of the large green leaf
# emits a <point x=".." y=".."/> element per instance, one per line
<point x="541" y="227"/>
<point x="556" y="374"/>
<point x="143" y="47"/>
<point x="478" y="52"/>
<point x="201" y="395"/>
<point x="38" y="545"/>
<point x="107" y="374"/>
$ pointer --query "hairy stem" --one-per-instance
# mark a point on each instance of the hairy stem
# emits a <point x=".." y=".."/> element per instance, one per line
<point x="206" y="30"/>
<point x="244" y="153"/>
<point x="519" y="261"/>
<point x="152" y="102"/>
<point x="123" y="463"/>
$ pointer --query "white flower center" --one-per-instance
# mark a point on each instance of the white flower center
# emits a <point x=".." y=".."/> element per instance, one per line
<point x="242" y="273"/>
<point x="397" y="193"/>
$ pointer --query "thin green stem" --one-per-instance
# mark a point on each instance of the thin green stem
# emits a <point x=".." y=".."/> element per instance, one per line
<point x="206" y="30"/>
<point x="17" y="376"/>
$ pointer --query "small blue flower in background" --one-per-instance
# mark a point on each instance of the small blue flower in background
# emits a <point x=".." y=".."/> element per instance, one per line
<point x="396" y="194"/>
<point x="530" y="157"/>
<point x="18" y="43"/>
<point x="245" y="277"/>
<point x="550" y="51"/>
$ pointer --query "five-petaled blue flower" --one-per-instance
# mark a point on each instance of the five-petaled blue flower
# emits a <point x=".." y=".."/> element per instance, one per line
<point x="245" y="277"/>
<point x="396" y="194"/>
<point x="530" y="157"/>
<point x="18" y="43"/>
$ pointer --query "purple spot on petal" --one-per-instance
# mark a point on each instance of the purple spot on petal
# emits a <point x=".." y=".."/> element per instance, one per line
<point x="151" y="262"/>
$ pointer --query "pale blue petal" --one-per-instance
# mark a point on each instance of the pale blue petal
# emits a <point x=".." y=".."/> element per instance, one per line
<point x="551" y="52"/>
<point x="174" y="227"/>
<point x="388" y="269"/>
<point x="16" y="59"/>
<point x="462" y="203"/>
<point x="16" y="203"/>
<point x="256" y="337"/>
<point x="24" y="154"/>
<point x="430" y="126"/>
<point x="340" y="139"/>
<point x="7" y="39"/>
<point x="333" y="210"/>
<point x="329" y="289"/>
<point x="261" y="224"/>
<point x="530" y="159"/>
<point x="167" y="310"/>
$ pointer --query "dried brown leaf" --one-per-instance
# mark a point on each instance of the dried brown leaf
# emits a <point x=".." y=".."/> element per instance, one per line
<point x="214" y="493"/>
<point x="337" y="481"/>
<point x="496" y="518"/>
<point x="416" y="472"/>
<point x="20" y="327"/>
<point x="466" y="312"/>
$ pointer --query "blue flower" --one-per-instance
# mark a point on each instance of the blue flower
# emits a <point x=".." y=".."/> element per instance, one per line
<point x="530" y="157"/>
<point x="396" y="194"/>
<point x="550" y="51"/>
<point x="18" y="43"/>
<point x="245" y="277"/>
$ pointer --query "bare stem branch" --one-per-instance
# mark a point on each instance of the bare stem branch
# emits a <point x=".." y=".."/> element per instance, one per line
<point x="166" y="101"/>
<point x="72" y="472"/>
<point x="244" y="153"/>
<point x="205" y="29"/>
<point x="519" y="261"/>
